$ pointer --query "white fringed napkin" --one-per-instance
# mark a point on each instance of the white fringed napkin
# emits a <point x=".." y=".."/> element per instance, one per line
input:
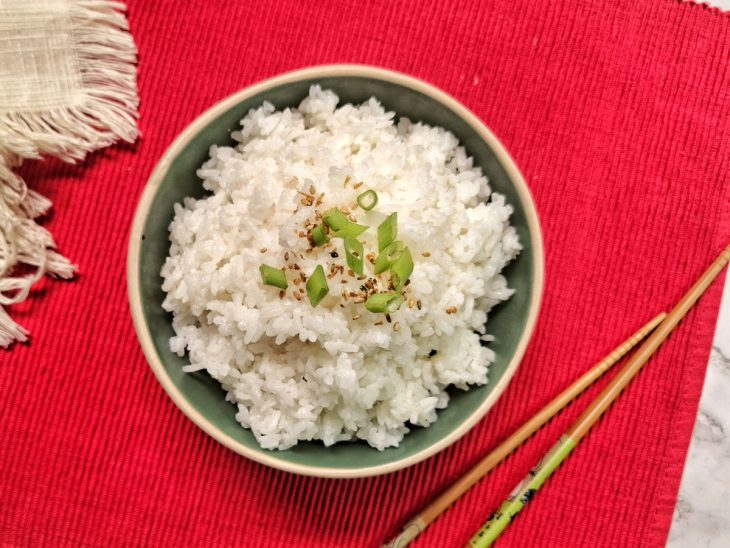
<point x="67" y="87"/>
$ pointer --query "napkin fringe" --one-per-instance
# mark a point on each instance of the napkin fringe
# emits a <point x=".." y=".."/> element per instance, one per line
<point x="107" y="108"/>
<point x="105" y="113"/>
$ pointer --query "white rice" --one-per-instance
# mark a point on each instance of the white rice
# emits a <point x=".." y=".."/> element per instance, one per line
<point x="302" y="373"/>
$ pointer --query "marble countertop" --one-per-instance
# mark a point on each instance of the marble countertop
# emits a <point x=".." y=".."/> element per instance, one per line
<point x="702" y="515"/>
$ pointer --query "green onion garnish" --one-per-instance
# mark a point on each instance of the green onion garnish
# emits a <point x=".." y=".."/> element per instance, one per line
<point x="388" y="256"/>
<point x="384" y="302"/>
<point x="351" y="230"/>
<point x="401" y="268"/>
<point x="335" y="219"/>
<point x="319" y="236"/>
<point x="317" y="287"/>
<point x="273" y="276"/>
<point x="367" y="200"/>
<point x="387" y="231"/>
<point x="354" y="255"/>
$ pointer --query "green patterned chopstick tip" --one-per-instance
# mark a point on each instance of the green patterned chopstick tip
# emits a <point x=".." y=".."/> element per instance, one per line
<point x="522" y="494"/>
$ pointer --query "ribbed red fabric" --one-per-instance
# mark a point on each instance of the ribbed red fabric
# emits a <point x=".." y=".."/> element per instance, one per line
<point x="618" y="113"/>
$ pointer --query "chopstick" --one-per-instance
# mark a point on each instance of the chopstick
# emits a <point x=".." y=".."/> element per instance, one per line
<point x="414" y="527"/>
<point x="526" y="490"/>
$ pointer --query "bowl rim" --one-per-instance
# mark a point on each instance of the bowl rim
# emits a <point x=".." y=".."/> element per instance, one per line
<point x="150" y="190"/>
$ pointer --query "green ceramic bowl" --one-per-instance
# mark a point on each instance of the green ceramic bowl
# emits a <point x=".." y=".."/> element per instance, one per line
<point x="200" y="397"/>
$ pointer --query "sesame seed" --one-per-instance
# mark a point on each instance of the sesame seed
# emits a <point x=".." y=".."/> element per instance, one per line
<point x="451" y="310"/>
<point x="350" y="273"/>
<point x="418" y="304"/>
<point x="281" y="294"/>
<point x="356" y="317"/>
<point x="411" y="303"/>
<point x="343" y="281"/>
<point x="378" y="323"/>
<point x="312" y="190"/>
<point x="286" y="256"/>
<point x="347" y="180"/>
<point x="396" y="326"/>
<point x="426" y="253"/>
<point x="358" y="185"/>
<point x="388" y="318"/>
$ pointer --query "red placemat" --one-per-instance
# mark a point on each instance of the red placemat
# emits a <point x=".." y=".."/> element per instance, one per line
<point x="618" y="114"/>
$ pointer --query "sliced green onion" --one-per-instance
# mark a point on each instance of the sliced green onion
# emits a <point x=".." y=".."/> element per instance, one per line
<point x="387" y="231"/>
<point x="335" y="219"/>
<point x="317" y="287"/>
<point x="319" y="236"/>
<point x="351" y="230"/>
<point x="384" y="302"/>
<point x="273" y="276"/>
<point x="388" y="256"/>
<point x="401" y="268"/>
<point x="367" y="200"/>
<point x="354" y="255"/>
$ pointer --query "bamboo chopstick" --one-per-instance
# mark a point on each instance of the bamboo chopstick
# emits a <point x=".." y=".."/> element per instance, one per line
<point x="414" y="527"/>
<point x="559" y="452"/>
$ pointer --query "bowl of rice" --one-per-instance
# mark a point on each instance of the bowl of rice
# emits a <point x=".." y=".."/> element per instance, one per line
<point x="335" y="272"/>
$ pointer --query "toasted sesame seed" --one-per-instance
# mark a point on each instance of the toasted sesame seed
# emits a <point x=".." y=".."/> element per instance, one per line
<point x="297" y="267"/>
<point x="388" y="318"/>
<point x="312" y="190"/>
<point x="347" y="180"/>
<point x="411" y="303"/>
<point x="396" y="326"/>
<point x="343" y="281"/>
<point x="263" y="250"/>
<point x="358" y="185"/>
<point x="356" y="317"/>
<point x="350" y="273"/>
<point x="418" y="304"/>
<point x="426" y="253"/>
<point x="286" y="255"/>
<point x="451" y="310"/>
<point x="281" y="294"/>
<point x="378" y="323"/>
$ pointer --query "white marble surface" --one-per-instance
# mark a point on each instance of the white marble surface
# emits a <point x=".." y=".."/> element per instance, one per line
<point x="702" y="515"/>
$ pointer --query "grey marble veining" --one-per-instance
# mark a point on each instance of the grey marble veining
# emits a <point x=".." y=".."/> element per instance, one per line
<point x="702" y="514"/>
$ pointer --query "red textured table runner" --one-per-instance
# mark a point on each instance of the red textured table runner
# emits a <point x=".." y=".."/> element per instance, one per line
<point x="618" y="114"/>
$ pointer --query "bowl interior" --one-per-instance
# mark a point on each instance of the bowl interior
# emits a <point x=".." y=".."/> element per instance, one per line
<point x="507" y="322"/>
